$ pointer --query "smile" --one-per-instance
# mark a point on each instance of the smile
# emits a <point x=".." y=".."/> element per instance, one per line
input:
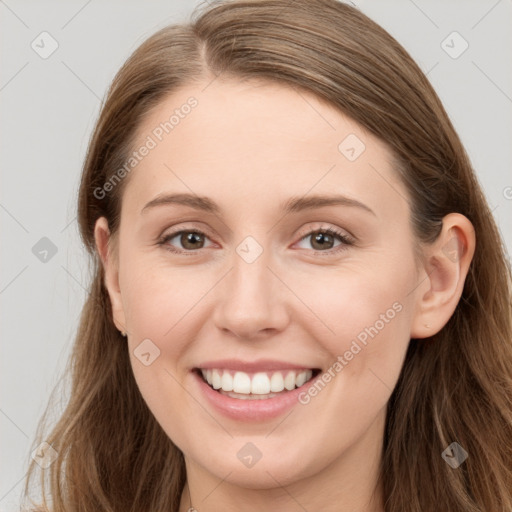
<point x="256" y="386"/>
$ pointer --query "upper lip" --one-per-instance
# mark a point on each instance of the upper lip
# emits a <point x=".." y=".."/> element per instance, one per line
<point x="253" y="366"/>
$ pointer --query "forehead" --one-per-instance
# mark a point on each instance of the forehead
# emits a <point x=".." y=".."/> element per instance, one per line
<point x="257" y="140"/>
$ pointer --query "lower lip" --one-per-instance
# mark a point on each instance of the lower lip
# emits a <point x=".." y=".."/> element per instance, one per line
<point x="251" y="410"/>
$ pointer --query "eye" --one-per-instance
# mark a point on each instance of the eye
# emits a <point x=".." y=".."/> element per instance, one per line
<point x="322" y="240"/>
<point x="188" y="238"/>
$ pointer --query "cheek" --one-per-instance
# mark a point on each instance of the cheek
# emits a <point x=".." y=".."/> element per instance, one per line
<point x="360" y="303"/>
<point x="369" y="314"/>
<point x="366" y="316"/>
<point x="159" y="300"/>
<point x="161" y="306"/>
<point x="160" y="312"/>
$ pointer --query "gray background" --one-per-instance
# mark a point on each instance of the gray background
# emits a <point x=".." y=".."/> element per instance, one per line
<point x="49" y="107"/>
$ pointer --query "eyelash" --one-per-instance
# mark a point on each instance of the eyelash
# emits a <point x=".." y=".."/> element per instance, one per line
<point x="346" y="241"/>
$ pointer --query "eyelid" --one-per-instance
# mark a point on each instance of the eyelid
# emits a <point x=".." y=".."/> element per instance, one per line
<point x="326" y="227"/>
<point x="184" y="226"/>
<point x="319" y="225"/>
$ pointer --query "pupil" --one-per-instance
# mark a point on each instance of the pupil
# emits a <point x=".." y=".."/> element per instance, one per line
<point x="190" y="238"/>
<point x="321" y="239"/>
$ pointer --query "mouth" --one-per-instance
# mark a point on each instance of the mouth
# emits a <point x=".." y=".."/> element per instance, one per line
<point x="255" y="386"/>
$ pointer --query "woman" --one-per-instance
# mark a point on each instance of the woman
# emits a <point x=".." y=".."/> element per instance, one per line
<point x="300" y="297"/>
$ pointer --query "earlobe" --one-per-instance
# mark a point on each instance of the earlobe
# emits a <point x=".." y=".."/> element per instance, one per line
<point x="103" y="241"/>
<point x="445" y="269"/>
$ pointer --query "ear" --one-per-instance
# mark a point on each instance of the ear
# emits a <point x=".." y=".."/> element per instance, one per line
<point x="446" y="264"/>
<point x="104" y="244"/>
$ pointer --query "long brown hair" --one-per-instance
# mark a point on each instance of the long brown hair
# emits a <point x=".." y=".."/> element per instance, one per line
<point x="454" y="386"/>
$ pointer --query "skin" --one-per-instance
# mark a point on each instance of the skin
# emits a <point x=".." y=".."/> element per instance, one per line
<point x="250" y="147"/>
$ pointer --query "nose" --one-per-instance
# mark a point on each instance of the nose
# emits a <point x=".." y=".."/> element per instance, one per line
<point x="251" y="299"/>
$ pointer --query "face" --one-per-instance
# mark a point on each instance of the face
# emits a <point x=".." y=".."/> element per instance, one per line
<point x="262" y="276"/>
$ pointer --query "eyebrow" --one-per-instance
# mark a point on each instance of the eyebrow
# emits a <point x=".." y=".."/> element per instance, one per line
<point x="292" y="205"/>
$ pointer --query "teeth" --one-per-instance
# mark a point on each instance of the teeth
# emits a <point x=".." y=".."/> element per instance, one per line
<point x="277" y="382"/>
<point x="227" y="381"/>
<point x="216" y="380"/>
<point x="289" y="381"/>
<point x="301" y="378"/>
<point x="261" y="383"/>
<point x="241" y="382"/>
